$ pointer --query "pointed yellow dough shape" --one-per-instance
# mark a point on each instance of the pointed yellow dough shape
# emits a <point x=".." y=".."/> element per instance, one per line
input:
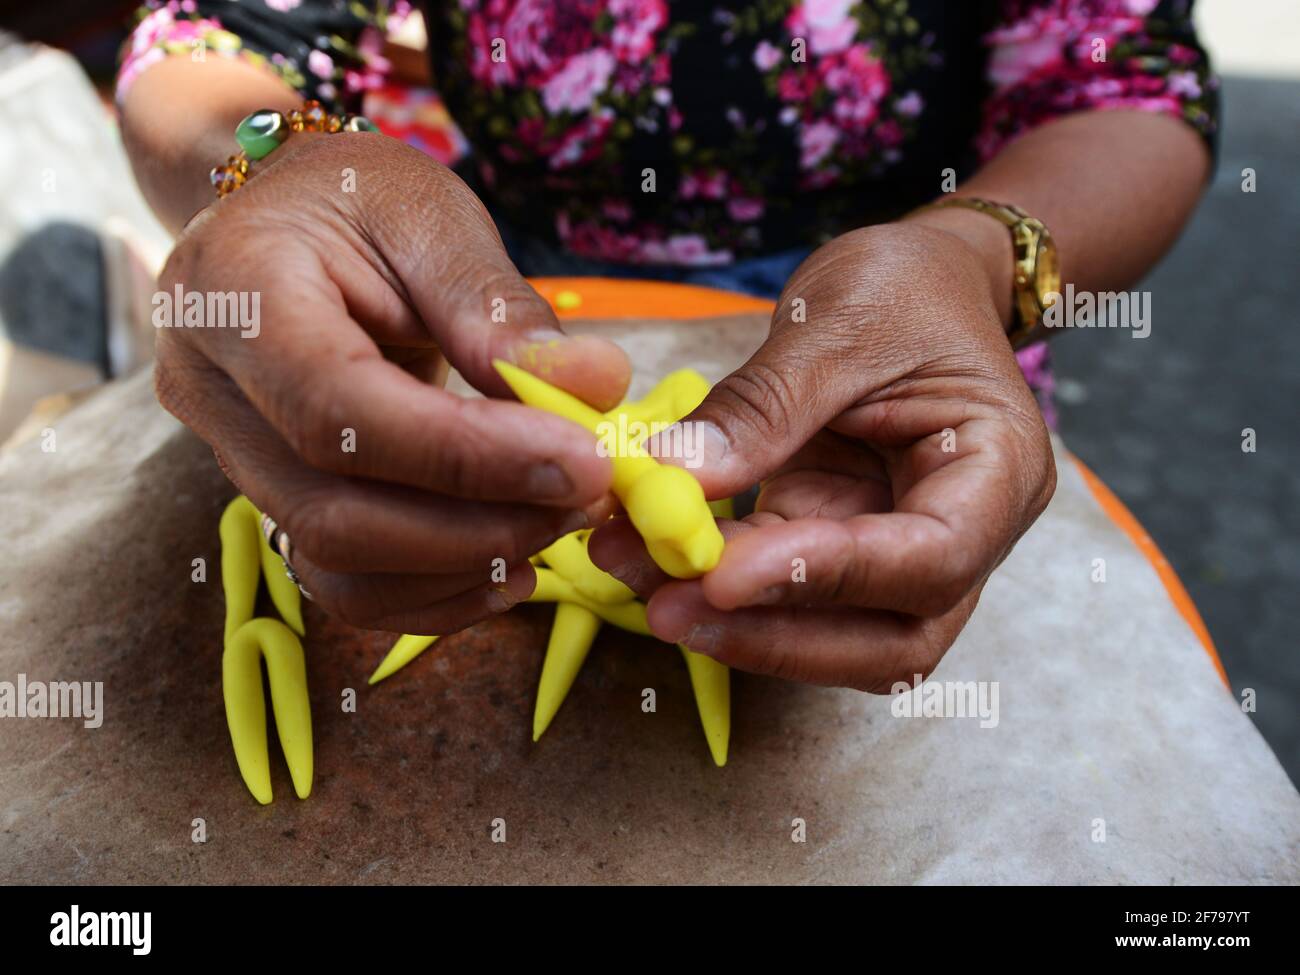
<point x="407" y="648"/>
<point x="554" y="588"/>
<point x="676" y="395"/>
<point x="568" y="556"/>
<point x="688" y="389"/>
<point x="241" y="563"/>
<point x="285" y="595"/>
<point x="241" y="685"/>
<point x="666" y="504"/>
<point x="572" y="634"/>
<point x="711" y="682"/>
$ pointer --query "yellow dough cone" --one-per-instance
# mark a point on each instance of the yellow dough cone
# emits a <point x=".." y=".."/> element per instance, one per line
<point x="568" y="556"/>
<point x="711" y="682"/>
<point x="554" y="588"/>
<point x="241" y="564"/>
<point x="241" y="685"/>
<point x="406" y="649"/>
<point x="676" y="395"/>
<point x="628" y="616"/>
<point x="688" y="391"/>
<point x="572" y="634"/>
<point x="285" y="595"/>
<point x="666" y="504"/>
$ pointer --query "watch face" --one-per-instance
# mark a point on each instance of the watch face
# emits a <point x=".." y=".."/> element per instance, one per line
<point x="1046" y="269"/>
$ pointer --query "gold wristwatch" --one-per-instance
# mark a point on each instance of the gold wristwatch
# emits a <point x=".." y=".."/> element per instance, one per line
<point x="1037" y="272"/>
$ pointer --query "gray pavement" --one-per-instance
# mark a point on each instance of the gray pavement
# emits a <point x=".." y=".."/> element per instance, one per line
<point x="1160" y="419"/>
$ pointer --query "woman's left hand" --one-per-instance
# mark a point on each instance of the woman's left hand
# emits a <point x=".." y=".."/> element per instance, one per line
<point x="901" y="456"/>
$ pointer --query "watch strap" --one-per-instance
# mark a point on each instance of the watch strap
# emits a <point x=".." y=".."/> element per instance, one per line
<point x="1025" y="301"/>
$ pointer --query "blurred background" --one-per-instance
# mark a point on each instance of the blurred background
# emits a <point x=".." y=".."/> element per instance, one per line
<point x="1161" y="419"/>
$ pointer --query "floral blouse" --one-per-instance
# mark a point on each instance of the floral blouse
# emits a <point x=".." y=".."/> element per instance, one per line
<point x="701" y="133"/>
<point x="692" y="134"/>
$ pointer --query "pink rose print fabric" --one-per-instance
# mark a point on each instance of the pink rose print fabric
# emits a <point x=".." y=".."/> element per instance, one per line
<point x="698" y="134"/>
<point x="695" y="135"/>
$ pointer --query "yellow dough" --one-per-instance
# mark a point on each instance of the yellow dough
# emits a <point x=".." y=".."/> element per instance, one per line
<point x="676" y="395"/>
<point x="578" y="619"/>
<point x="567" y="555"/>
<point x="241" y="564"/>
<point x="241" y="685"/>
<point x="554" y="588"/>
<point x="246" y="558"/>
<point x="711" y="682"/>
<point x="572" y="634"/>
<point x="666" y="504"/>
<point x="406" y="649"/>
<point x="663" y="507"/>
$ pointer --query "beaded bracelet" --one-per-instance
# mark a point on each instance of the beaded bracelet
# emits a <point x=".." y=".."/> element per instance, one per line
<point x="264" y="130"/>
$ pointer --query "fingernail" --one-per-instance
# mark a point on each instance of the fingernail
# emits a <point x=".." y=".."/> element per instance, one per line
<point x="547" y="336"/>
<point x="538" y="349"/>
<point x="713" y="440"/>
<point x="500" y="600"/>
<point x="702" y="638"/>
<point x="548" y="480"/>
<point x="691" y="444"/>
<point x="766" y="597"/>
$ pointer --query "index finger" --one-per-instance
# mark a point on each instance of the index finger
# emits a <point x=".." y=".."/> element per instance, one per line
<point x="947" y="532"/>
<point x="326" y="388"/>
<point x="864" y="649"/>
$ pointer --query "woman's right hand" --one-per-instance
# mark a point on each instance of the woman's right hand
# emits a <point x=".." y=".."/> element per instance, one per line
<point x="372" y="262"/>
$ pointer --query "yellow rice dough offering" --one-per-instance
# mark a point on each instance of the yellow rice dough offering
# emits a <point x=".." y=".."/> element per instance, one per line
<point x="665" y="503"/>
<point x="671" y="510"/>
<point x="247" y="560"/>
<point x="586" y="596"/>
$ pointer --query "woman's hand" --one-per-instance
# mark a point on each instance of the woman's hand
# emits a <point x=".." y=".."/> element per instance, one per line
<point x="398" y="497"/>
<point x="901" y="456"/>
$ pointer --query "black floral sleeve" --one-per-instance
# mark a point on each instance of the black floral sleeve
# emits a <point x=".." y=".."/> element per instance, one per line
<point x="1049" y="58"/>
<point x="329" y="50"/>
<point x="703" y="133"/>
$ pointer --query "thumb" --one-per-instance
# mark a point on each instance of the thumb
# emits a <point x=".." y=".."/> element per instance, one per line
<point x="755" y="419"/>
<point x="496" y="314"/>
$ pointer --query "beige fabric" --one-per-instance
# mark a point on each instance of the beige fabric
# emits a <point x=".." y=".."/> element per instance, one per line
<point x="1109" y="710"/>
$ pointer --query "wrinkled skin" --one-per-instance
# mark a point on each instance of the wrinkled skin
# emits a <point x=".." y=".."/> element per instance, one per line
<point x="365" y="298"/>
<point x="362" y="295"/>
<point x="901" y="456"/>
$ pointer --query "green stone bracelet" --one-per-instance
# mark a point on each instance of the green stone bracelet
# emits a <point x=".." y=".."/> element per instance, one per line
<point x="260" y="133"/>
